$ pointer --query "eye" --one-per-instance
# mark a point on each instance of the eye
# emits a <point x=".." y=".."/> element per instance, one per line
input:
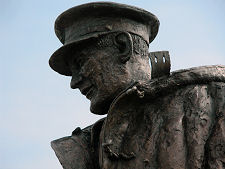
<point x="72" y="64"/>
<point x="80" y="61"/>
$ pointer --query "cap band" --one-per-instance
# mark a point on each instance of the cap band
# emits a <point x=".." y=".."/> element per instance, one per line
<point x="91" y="27"/>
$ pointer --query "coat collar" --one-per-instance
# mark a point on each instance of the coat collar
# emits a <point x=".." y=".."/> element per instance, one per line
<point x="176" y="80"/>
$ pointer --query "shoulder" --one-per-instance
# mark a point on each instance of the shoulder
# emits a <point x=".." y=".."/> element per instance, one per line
<point x="181" y="79"/>
<point x="77" y="150"/>
<point x="69" y="150"/>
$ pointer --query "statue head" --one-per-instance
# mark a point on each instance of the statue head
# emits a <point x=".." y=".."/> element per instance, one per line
<point x="105" y="49"/>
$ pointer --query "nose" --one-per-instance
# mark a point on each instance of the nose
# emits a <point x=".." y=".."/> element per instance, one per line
<point x="75" y="81"/>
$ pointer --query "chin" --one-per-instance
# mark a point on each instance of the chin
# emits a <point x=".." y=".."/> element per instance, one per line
<point x="100" y="107"/>
<point x="101" y="102"/>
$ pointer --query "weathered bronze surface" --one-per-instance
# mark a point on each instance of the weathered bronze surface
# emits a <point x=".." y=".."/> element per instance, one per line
<point x="155" y="119"/>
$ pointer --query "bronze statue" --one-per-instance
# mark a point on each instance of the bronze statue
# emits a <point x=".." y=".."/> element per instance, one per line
<point x="155" y="119"/>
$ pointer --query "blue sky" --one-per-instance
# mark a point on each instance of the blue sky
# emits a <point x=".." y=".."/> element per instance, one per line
<point x="37" y="104"/>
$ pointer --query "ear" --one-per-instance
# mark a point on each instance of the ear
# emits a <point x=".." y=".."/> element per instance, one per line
<point x="123" y="41"/>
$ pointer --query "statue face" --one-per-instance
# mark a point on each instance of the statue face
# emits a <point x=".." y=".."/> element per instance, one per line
<point x="99" y="75"/>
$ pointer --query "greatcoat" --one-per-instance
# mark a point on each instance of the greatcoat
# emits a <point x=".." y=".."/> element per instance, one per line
<point x="172" y="122"/>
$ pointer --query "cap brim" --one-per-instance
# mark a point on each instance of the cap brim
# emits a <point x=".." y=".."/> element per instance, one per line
<point x="59" y="59"/>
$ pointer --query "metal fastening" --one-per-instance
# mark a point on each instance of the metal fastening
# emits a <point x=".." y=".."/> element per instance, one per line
<point x="160" y="63"/>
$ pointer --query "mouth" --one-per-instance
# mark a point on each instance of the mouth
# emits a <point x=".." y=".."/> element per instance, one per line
<point x="87" y="91"/>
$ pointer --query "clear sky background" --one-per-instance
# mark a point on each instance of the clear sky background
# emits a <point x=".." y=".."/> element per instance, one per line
<point x="37" y="104"/>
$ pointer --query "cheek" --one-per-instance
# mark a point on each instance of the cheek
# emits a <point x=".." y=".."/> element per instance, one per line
<point x="89" y="68"/>
<point x="93" y="70"/>
<point x="114" y="77"/>
<point x="100" y="72"/>
<point x="105" y="74"/>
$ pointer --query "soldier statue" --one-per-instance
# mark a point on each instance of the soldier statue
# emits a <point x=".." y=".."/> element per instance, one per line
<point x="156" y="119"/>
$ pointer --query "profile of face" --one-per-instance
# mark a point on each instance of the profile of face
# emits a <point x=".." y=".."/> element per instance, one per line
<point x="100" y="71"/>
